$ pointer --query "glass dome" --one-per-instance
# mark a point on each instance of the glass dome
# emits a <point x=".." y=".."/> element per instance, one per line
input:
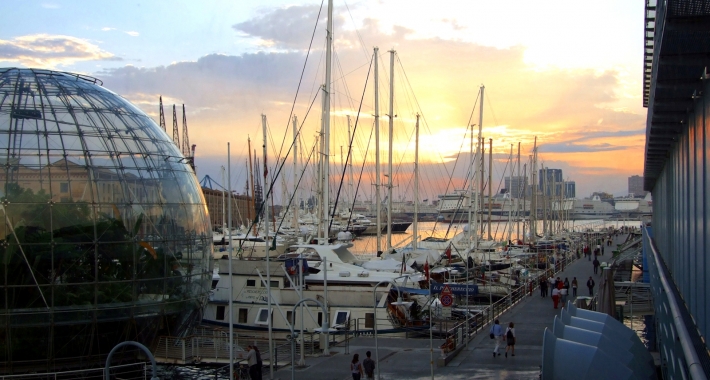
<point x="105" y="234"/>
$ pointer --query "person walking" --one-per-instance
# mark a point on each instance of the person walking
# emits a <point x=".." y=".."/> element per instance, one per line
<point x="543" y="287"/>
<point x="259" y="363"/>
<point x="369" y="366"/>
<point x="574" y="287"/>
<point x="497" y="336"/>
<point x="590" y="285"/>
<point x="555" y="297"/>
<point x="559" y="284"/>
<point x="596" y="265"/>
<point x="356" y="367"/>
<point x="566" y="284"/>
<point x="252" y="362"/>
<point x="510" y="338"/>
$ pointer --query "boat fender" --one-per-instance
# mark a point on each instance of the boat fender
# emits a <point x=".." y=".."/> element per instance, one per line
<point x="344" y="274"/>
<point x="364" y="274"/>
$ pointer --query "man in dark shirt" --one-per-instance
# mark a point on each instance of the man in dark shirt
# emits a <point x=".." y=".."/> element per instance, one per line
<point x="369" y="366"/>
<point x="590" y="285"/>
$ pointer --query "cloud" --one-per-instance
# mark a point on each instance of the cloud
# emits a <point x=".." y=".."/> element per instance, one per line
<point x="291" y="27"/>
<point x="106" y="29"/>
<point x="50" y="6"/>
<point x="50" y="51"/>
<point x="132" y="34"/>
<point x="575" y="114"/>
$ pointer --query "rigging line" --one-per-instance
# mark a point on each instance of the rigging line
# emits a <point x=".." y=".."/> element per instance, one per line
<point x="280" y="167"/>
<point x="295" y="186"/>
<point x="300" y="80"/>
<point x="359" y="36"/>
<point x="350" y="147"/>
<point x="359" y="180"/>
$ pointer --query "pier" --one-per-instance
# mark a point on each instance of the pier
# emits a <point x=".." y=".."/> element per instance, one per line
<point x="412" y="358"/>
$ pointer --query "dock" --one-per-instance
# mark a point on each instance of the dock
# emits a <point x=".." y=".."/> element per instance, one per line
<point x="402" y="359"/>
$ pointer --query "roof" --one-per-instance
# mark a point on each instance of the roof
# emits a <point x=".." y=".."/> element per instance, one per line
<point x="676" y="57"/>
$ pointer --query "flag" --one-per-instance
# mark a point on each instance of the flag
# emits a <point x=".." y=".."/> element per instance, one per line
<point x="448" y="253"/>
<point x="426" y="269"/>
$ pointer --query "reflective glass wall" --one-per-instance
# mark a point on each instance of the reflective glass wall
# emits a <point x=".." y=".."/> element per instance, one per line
<point x="105" y="235"/>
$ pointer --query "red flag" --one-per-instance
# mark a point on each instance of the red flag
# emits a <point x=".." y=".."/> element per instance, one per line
<point x="426" y="269"/>
<point x="448" y="253"/>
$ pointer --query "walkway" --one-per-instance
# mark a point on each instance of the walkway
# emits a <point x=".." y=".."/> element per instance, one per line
<point x="408" y="359"/>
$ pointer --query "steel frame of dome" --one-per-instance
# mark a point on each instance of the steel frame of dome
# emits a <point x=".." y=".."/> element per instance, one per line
<point x="105" y="234"/>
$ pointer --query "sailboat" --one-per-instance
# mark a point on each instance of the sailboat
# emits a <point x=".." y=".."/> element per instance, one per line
<point x="265" y="292"/>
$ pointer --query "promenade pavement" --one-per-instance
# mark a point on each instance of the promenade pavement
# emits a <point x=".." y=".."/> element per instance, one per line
<point x="409" y="359"/>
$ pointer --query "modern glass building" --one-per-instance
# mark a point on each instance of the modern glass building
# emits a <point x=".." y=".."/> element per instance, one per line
<point x="105" y="235"/>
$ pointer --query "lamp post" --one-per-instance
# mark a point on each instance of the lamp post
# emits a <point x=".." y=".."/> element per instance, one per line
<point x="325" y="329"/>
<point x="374" y="316"/>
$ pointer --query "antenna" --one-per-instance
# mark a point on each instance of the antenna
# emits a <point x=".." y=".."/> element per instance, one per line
<point x="185" y="138"/>
<point x="176" y="132"/>
<point x="162" y="114"/>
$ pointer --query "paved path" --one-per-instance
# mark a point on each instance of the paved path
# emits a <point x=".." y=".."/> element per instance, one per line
<point x="408" y="359"/>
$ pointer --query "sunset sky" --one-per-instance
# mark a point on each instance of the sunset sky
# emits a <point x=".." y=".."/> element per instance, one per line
<point x="566" y="72"/>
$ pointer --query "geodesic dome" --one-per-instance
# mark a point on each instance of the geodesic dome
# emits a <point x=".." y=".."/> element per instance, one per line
<point x="104" y="235"/>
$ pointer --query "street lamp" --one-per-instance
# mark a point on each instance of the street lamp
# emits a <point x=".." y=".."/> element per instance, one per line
<point x="325" y="329"/>
<point x="374" y="317"/>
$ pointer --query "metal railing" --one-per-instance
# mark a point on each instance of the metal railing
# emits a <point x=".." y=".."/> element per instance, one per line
<point x="132" y="371"/>
<point x="683" y="354"/>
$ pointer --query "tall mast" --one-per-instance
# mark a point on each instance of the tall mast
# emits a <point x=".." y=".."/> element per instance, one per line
<point x="415" y="226"/>
<point x="253" y="194"/>
<point x="490" y="186"/>
<point x="471" y="169"/>
<point x="224" y="215"/>
<point x="533" y="186"/>
<point x="350" y="168"/>
<point x="268" y="244"/>
<point x="325" y="122"/>
<point x="389" y="162"/>
<point x="378" y="201"/>
<point x="480" y="149"/>
<point x="517" y="197"/>
<point x="231" y="279"/>
<point x="510" y="196"/>
<point x="294" y="220"/>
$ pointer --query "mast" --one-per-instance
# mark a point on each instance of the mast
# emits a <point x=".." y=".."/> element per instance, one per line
<point x="479" y="149"/>
<point x="326" y="123"/>
<point x="470" y="199"/>
<point x="533" y="206"/>
<point x="483" y="184"/>
<point x="415" y="227"/>
<point x="294" y="219"/>
<point x="253" y="194"/>
<point x="389" y="162"/>
<point x="510" y="206"/>
<point x="267" y="247"/>
<point x="517" y="197"/>
<point x="350" y="168"/>
<point x="490" y="185"/>
<point x="378" y="201"/>
<point x="231" y="279"/>
<point x="224" y="215"/>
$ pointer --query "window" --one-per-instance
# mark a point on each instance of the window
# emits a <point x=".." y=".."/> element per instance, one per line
<point x="320" y="318"/>
<point x="289" y="318"/>
<point x="251" y="283"/>
<point x="64" y="187"/>
<point x="341" y="318"/>
<point x="369" y="320"/>
<point x="275" y="284"/>
<point x="220" y="313"/>
<point x="243" y="313"/>
<point x="262" y="317"/>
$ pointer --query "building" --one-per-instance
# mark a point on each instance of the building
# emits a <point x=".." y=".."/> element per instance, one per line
<point x="217" y="201"/>
<point x="105" y="232"/>
<point x="516" y="185"/>
<point x="677" y="172"/>
<point x="570" y="189"/>
<point x="636" y="186"/>
<point x="551" y="182"/>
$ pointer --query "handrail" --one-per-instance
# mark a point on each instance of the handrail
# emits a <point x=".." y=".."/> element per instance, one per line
<point x="692" y="359"/>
